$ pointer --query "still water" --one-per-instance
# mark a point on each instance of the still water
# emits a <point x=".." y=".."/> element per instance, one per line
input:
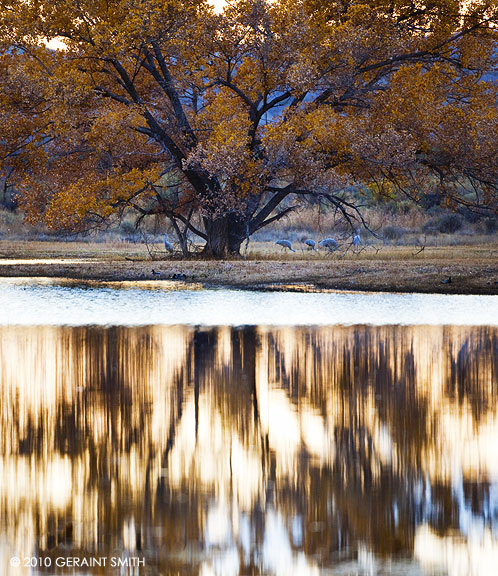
<point x="225" y="450"/>
<point x="49" y="302"/>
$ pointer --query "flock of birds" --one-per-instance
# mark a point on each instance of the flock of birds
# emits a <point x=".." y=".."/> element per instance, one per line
<point x="328" y="243"/>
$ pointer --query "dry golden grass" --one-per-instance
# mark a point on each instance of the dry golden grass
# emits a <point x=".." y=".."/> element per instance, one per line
<point x="472" y="268"/>
<point x="268" y="250"/>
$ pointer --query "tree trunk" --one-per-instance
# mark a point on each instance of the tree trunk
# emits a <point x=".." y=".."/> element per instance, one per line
<point x="225" y="235"/>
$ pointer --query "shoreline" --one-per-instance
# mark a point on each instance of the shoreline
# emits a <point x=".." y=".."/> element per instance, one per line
<point x="462" y="269"/>
<point x="297" y="276"/>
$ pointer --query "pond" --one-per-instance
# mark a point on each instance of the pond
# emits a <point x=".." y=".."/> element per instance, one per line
<point x="49" y="302"/>
<point x="364" y="441"/>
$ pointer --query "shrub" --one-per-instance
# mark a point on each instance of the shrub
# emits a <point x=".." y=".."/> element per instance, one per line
<point x="449" y="223"/>
<point x="392" y="232"/>
<point x="491" y="224"/>
<point x="445" y="224"/>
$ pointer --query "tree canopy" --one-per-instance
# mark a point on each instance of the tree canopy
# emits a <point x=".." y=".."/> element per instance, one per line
<point x="226" y="122"/>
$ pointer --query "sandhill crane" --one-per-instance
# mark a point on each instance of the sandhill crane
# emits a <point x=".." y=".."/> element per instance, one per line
<point x="285" y="244"/>
<point x="311" y="243"/>
<point x="329" y="243"/>
<point x="167" y="245"/>
<point x="357" y="238"/>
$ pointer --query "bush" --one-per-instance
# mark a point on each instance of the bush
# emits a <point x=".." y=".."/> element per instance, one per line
<point x="432" y="200"/>
<point x="445" y="224"/>
<point x="450" y="223"/>
<point x="491" y="224"/>
<point x="470" y="215"/>
<point x="392" y="232"/>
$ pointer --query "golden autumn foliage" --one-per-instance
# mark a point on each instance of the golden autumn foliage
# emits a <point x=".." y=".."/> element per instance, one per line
<point x="237" y="118"/>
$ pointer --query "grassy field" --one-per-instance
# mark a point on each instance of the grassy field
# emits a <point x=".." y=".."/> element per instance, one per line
<point x="407" y="249"/>
<point x="473" y="268"/>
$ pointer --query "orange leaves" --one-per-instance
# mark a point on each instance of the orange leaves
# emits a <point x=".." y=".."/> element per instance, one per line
<point x="318" y="95"/>
<point x="223" y="151"/>
<point x="70" y="204"/>
<point x="443" y="110"/>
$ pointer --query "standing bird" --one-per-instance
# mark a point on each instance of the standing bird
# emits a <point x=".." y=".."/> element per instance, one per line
<point x="357" y="238"/>
<point x="285" y="244"/>
<point x="167" y="245"/>
<point x="311" y="243"/>
<point x="329" y="243"/>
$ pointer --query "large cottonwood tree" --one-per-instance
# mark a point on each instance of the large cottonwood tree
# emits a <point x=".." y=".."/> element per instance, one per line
<point x="226" y="122"/>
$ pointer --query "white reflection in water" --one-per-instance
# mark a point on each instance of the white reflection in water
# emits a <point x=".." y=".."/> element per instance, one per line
<point x="454" y="556"/>
<point x="38" y="302"/>
<point x="218" y="526"/>
<point x="245" y="536"/>
<point x="278" y="557"/>
<point x="225" y="563"/>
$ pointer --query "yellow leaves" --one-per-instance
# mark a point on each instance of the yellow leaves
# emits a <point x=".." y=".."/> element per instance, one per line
<point x="477" y="50"/>
<point x="224" y="130"/>
<point x="68" y="205"/>
<point x="416" y="97"/>
<point x="113" y="130"/>
<point x="252" y="75"/>
<point x="303" y="74"/>
<point x="449" y="116"/>
<point x="146" y="85"/>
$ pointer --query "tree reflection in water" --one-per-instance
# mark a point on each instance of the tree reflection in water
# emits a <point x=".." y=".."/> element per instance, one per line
<point x="227" y="450"/>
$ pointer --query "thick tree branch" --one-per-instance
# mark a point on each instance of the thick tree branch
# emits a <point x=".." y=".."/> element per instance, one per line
<point x="278" y="216"/>
<point x="109" y="94"/>
<point x="191" y="227"/>
<point x="238" y="91"/>
<point x="169" y="86"/>
<point x="274" y="202"/>
<point x="422" y="53"/>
